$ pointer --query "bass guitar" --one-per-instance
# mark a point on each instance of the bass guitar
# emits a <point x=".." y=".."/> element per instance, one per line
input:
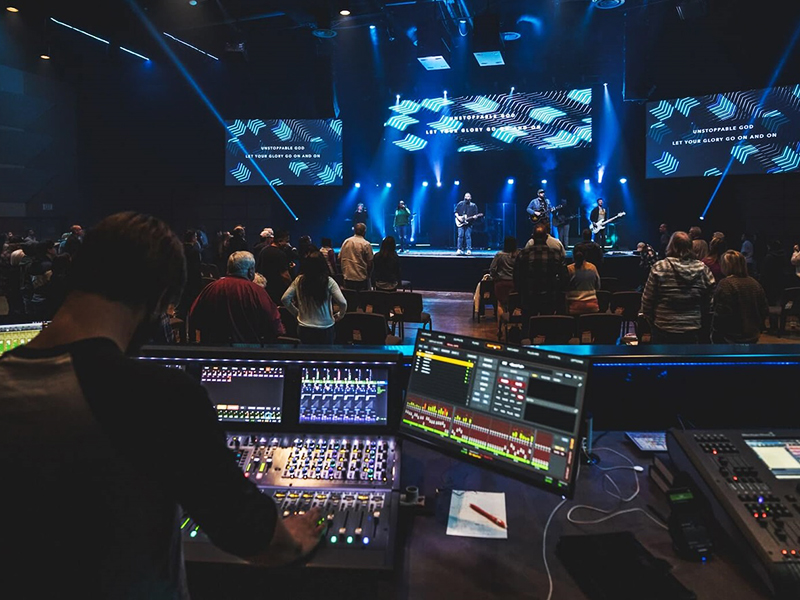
<point x="538" y="215"/>
<point x="601" y="224"/>
<point x="464" y="220"/>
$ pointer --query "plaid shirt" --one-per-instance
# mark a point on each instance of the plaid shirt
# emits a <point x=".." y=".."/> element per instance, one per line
<point x="539" y="269"/>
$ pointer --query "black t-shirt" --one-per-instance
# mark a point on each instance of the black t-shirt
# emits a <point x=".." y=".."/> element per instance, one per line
<point x="97" y="452"/>
<point x="272" y="261"/>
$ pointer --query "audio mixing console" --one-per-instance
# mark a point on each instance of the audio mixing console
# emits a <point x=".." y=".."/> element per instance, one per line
<point x="352" y="479"/>
<point x="751" y="482"/>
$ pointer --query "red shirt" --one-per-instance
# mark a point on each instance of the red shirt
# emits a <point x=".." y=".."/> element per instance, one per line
<point x="235" y="310"/>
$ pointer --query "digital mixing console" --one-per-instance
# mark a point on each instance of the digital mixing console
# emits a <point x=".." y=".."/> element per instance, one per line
<point x="750" y="480"/>
<point x="352" y="479"/>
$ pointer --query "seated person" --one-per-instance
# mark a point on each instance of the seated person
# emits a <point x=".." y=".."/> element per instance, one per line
<point x="233" y="309"/>
<point x="582" y="286"/>
<point x="386" y="266"/>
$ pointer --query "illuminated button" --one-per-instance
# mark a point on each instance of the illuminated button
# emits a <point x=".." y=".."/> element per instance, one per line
<point x="365" y="540"/>
<point x="350" y="540"/>
<point x="334" y="539"/>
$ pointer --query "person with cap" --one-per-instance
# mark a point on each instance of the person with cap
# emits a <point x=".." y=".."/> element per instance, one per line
<point x="539" y="209"/>
<point x="265" y="239"/>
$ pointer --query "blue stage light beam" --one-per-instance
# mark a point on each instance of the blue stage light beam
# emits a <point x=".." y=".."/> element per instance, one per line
<point x="195" y="48"/>
<point x="510" y="181"/>
<point x="544" y="181"/>
<point x="601" y="170"/>
<point x="86" y="33"/>
<point x="358" y="184"/>
<point x="424" y="184"/>
<point x="623" y="180"/>
<point x="457" y="182"/>
<point x="756" y="111"/>
<point x="176" y="61"/>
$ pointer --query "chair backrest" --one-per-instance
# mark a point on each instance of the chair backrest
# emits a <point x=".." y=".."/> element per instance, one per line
<point x="603" y="300"/>
<point x="551" y="329"/>
<point x="353" y="299"/>
<point x="626" y="304"/>
<point x="599" y="328"/>
<point x="407" y="305"/>
<point x="790" y="301"/>
<point x="362" y="328"/>
<point x="610" y="283"/>
<point x="289" y="321"/>
<point x="209" y="270"/>
<point x="486" y="290"/>
<point x="502" y="288"/>
<point x="376" y="301"/>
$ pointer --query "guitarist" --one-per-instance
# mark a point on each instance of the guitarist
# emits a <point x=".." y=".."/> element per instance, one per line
<point x="539" y="210"/>
<point x="466" y="212"/>
<point x="599" y="213"/>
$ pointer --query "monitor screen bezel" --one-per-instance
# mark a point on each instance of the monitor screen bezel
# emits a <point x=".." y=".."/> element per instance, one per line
<point x="457" y="451"/>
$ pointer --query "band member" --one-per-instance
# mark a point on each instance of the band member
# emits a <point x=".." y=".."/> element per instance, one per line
<point x="599" y="215"/>
<point x="361" y="215"/>
<point x="402" y="221"/>
<point x="539" y="209"/>
<point x="466" y="212"/>
<point x="561" y="220"/>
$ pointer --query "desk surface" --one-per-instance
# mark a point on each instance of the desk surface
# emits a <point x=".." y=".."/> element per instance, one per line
<point x="433" y="565"/>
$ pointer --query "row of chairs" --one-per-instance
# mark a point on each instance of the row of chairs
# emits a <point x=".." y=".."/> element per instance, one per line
<point x="355" y="328"/>
<point x="398" y="308"/>
<point x="617" y="315"/>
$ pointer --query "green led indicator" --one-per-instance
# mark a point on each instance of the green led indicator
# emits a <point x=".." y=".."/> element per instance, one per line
<point x="334" y="539"/>
<point x="349" y="539"/>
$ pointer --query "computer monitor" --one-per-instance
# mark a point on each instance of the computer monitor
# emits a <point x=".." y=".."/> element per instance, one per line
<point x="344" y="394"/>
<point x="246" y="392"/>
<point x="514" y="410"/>
<point x="17" y="334"/>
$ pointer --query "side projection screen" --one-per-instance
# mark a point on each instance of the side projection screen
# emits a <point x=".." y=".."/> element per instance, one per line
<point x="283" y="152"/>
<point x="755" y="132"/>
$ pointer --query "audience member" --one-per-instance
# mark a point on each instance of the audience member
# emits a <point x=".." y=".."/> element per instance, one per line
<point x="233" y="309"/>
<point x="740" y="304"/>
<point x="238" y="243"/>
<point x="749" y="253"/>
<point x="73" y="241"/>
<point x="35" y="274"/>
<point x="663" y="240"/>
<point x="699" y="245"/>
<point x="795" y="260"/>
<point x="502" y="267"/>
<point x="273" y="264"/>
<point x="774" y="271"/>
<point x="355" y="257"/>
<point x="73" y="390"/>
<point x="647" y="258"/>
<point x="264" y="239"/>
<point x="223" y="250"/>
<point x="326" y="249"/>
<point x="716" y="248"/>
<point x="677" y="295"/>
<point x="584" y="281"/>
<point x="386" y="266"/>
<point x="592" y="251"/>
<point x="540" y="276"/>
<point x="194" y="278"/>
<point x="310" y="298"/>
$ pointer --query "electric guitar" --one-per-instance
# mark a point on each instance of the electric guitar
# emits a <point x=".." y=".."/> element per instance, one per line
<point x="538" y="215"/>
<point x="464" y="220"/>
<point x="601" y="224"/>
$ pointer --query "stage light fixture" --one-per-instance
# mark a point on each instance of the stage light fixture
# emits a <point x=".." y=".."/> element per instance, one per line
<point x="44" y="56"/>
<point x="585" y="182"/>
<point x="607" y="3"/>
<point x="397" y="100"/>
<point x="344" y="12"/>
<point x="192" y="2"/>
<point x="424" y="184"/>
<point x="13" y="9"/>
<point x="445" y="93"/>
<point x="358" y="185"/>
<point x="487" y="42"/>
<point x="510" y="181"/>
<point x="544" y="181"/>
<point x="456" y="182"/>
<point x="388" y="184"/>
<point x="512" y="90"/>
<point x="702" y="218"/>
<point x="623" y="180"/>
<point x="438" y="184"/>
<point x="372" y="26"/>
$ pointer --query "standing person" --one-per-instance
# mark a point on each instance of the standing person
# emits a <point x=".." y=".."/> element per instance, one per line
<point x="326" y="249"/>
<point x="502" y="267"/>
<point x="699" y="245"/>
<point x="561" y="221"/>
<point x="716" y="249"/>
<point x="355" y="258"/>
<point x="361" y="216"/>
<point x="540" y="276"/>
<point x="265" y="239"/>
<point x="310" y="299"/>
<point x="401" y="224"/>
<point x="73" y="241"/>
<point x="774" y="267"/>
<point x="740" y="304"/>
<point x="386" y="266"/>
<point x="795" y="260"/>
<point x="592" y="251"/>
<point x="647" y="258"/>
<point x="749" y="253"/>
<point x="238" y="243"/>
<point x="663" y="240"/>
<point x="584" y="281"/>
<point x="194" y="277"/>
<point x="466" y="212"/>
<point x="73" y="389"/>
<point x="539" y="209"/>
<point x="273" y="263"/>
<point x="677" y="295"/>
<point x="599" y="215"/>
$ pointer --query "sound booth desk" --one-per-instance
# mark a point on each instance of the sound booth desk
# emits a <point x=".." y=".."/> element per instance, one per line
<point x="356" y="430"/>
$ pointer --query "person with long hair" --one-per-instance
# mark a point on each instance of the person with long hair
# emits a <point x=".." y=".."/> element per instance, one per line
<point x="584" y="281"/>
<point x="740" y="304"/>
<point x="716" y="248"/>
<point x="310" y="298"/>
<point x="386" y="266"/>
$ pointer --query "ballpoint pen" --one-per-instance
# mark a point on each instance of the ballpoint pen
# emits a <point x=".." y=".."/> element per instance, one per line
<point x="489" y="516"/>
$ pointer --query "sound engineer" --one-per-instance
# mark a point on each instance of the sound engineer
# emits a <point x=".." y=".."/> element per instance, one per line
<point x="98" y="450"/>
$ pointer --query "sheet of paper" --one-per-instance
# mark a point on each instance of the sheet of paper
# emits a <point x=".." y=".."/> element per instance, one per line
<point x="467" y="522"/>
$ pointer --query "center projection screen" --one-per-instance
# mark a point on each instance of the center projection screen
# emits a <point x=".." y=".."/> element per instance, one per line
<point x="283" y="152"/>
<point x="494" y="122"/>
<point x="754" y="132"/>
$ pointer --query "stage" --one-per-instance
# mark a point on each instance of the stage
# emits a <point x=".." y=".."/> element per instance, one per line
<point x="444" y="270"/>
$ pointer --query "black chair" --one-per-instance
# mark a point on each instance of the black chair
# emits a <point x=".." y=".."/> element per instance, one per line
<point x="289" y="321"/>
<point x="353" y="298"/>
<point x="611" y="284"/>
<point x="407" y="307"/>
<point x="551" y="329"/>
<point x="486" y="297"/>
<point x="599" y="328"/>
<point x="376" y="301"/>
<point x="511" y="319"/>
<point x="209" y="270"/>
<point x="360" y="328"/>
<point x="627" y="304"/>
<point x="405" y="285"/>
<point x="603" y="300"/>
<point x="788" y="306"/>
